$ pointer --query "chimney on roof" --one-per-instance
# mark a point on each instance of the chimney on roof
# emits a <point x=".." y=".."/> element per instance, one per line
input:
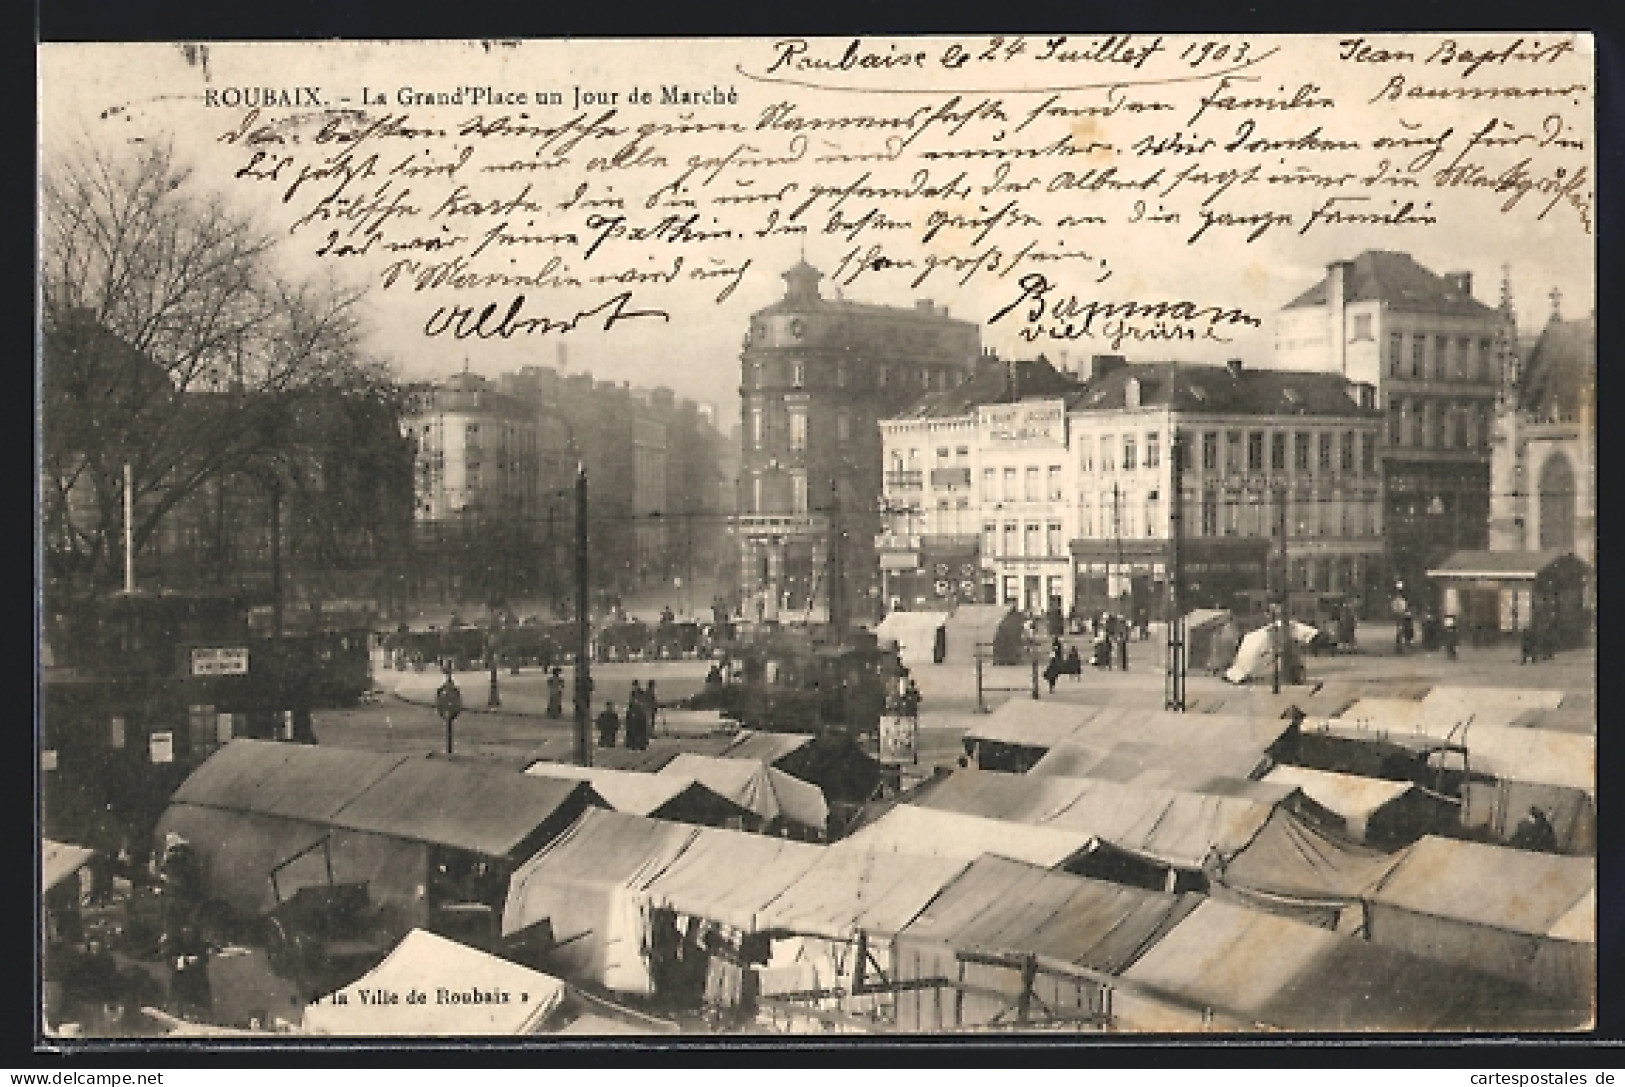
<point x="1460" y="282"/>
<point x="1336" y="285"/>
<point x="1234" y="366"/>
<point x="1101" y="365"/>
<point x="925" y="305"/>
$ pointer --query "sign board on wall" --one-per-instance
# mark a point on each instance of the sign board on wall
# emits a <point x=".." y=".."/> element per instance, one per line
<point x="224" y="661"/>
<point x="1042" y="423"/>
<point x="161" y="747"/>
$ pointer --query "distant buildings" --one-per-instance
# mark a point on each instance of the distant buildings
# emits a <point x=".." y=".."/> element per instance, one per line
<point x="497" y="464"/>
<point x="816" y="376"/>
<point x="1431" y="357"/>
<point x="1046" y="492"/>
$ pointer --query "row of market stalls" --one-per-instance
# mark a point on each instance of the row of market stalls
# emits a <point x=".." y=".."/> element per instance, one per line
<point x="991" y="632"/>
<point x="928" y="928"/>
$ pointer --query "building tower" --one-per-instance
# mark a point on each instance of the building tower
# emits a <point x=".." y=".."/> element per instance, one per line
<point x="816" y="376"/>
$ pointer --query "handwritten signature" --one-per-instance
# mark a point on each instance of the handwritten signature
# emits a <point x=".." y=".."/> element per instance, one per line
<point x="464" y="322"/>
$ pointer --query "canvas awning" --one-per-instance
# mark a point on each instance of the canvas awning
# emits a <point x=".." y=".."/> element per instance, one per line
<point x="493" y="812"/>
<point x="1289" y="859"/>
<point x="915" y="633"/>
<point x="1495" y="565"/>
<point x="1524" y="698"/>
<point x="469" y="993"/>
<point x="1278" y="973"/>
<point x="1171" y="766"/>
<point x="662" y="796"/>
<point x="59" y="860"/>
<point x="1535" y="755"/>
<point x="1353" y="798"/>
<point x="297" y="781"/>
<point x="601" y="849"/>
<point x="1176" y="828"/>
<point x="1003" y="905"/>
<point x="929" y="832"/>
<point x="770" y="793"/>
<point x="730" y="877"/>
<point x="768" y="747"/>
<point x="1503" y="911"/>
<point x="851" y="890"/>
<point x="1256" y="654"/>
<point x="1494" y="886"/>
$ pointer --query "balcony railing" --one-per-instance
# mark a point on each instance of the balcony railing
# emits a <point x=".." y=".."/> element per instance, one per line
<point x="904" y="480"/>
<point x="950" y="477"/>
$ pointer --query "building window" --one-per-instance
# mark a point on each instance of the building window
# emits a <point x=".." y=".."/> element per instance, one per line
<point x="1441" y="425"/>
<point x="843" y="425"/>
<point x="1486" y="349"/>
<point x="1396" y="353"/>
<point x="1152" y="511"/>
<point x="1033" y="542"/>
<point x="840" y="375"/>
<point x="1055" y="492"/>
<point x="1012" y="590"/>
<point x="1347" y="458"/>
<point x="1368" y="455"/>
<point x="1130" y="461"/>
<point x="1033" y="494"/>
<point x="1010" y="494"/>
<point x="798" y="374"/>
<point x="1053" y="545"/>
<point x="1428" y="423"/>
<point x="1153" y="450"/>
<point x="756" y="428"/>
<point x="1255" y="451"/>
<point x="1396" y="423"/>
<point x="1325" y="461"/>
<point x="756" y="494"/>
<point x="990" y="538"/>
<point x="798" y="492"/>
<point x="1009" y="541"/>
<point x="961" y="452"/>
<point x="1232" y="451"/>
<point x="798" y="429"/>
<point x="990" y="484"/>
<point x="1086" y="455"/>
<point x="1441" y="348"/>
<point x="925" y="378"/>
<point x="1086" y="516"/>
<point x="1469" y="427"/>
<point x="1362" y="327"/>
<point x="1464" y="358"/>
<point x="1210" y="452"/>
<point x="1108" y="453"/>
<point x="1419" y="347"/>
<point x="1278" y="452"/>
<point x="942" y="456"/>
<point x="1210" y="514"/>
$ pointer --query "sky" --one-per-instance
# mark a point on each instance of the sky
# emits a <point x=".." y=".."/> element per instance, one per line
<point x="110" y="96"/>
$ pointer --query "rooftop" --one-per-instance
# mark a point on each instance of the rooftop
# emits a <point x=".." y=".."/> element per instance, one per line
<point x="1397" y="280"/>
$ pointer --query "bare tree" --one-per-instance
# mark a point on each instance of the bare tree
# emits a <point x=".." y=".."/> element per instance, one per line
<point x="171" y="343"/>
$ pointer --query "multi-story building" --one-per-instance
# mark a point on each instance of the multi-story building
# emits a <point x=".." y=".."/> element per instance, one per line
<point x="476" y="487"/>
<point x="1544" y="449"/>
<point x="1432" y="357"/>
<point x="964" y="466"/>
<point x="816" y="376"/>
<point x="1068" y="486"/>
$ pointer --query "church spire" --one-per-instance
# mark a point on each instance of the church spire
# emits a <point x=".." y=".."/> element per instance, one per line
<point x="1506" y="346"/>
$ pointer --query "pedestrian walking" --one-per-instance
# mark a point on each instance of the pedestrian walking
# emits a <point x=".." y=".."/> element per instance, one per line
<point x="911" y="702"/>
<point x="1122" y="650"/>
<point x="1074" y="663"/>
<point x="1450" y="637"/>
<point x="637" y="720"/>
<point x="555" y="693"/>
<point x="609" y="724"/>
<point x="1527" y="651"/>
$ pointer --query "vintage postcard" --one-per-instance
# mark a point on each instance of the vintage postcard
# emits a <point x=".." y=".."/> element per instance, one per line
<point x="1065" y="533"/>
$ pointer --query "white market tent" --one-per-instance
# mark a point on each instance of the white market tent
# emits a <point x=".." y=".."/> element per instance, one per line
<point x="1255" y="657"/>
<point x="917" y="634"/>
<point x="770" y="793"/>
<point x="927" y="832"/>
<point x="59" y="860"/>
<point x="1355" y="799"/>
<point x="468" y="992"/>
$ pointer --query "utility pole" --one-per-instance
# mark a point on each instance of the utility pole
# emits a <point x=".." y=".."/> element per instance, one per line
<point x="1175" y="692"/>
<point x="1281" y="631"/>
<point x="1117" y="533"/>
<point x="583" y="701"/>
<point x="837" y="566"/>
<point x="129" y="528"/>
<point x="276" y="555"/>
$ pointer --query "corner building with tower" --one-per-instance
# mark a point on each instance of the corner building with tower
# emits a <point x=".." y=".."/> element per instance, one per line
<point x="817" y="374"/>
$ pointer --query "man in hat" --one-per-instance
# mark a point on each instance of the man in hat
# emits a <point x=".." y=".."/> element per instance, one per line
<point x="609" y="723"/>
<point x="555" y="693"/>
